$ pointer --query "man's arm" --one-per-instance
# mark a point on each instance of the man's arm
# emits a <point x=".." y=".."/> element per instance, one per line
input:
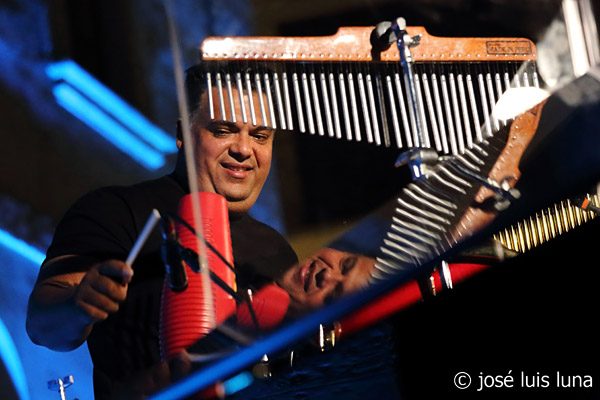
<point x="63" y="308"/>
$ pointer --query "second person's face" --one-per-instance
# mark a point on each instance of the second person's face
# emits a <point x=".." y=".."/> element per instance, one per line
<point x="325" y="276"/>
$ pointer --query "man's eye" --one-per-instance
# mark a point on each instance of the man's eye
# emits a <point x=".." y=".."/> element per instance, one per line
<point x="221" y="131"/>
<point x="262" y="134"/>
<point x="348" y="264"/>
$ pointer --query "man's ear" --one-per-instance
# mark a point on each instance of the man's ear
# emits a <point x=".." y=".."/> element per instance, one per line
<point x="179" y="141"/>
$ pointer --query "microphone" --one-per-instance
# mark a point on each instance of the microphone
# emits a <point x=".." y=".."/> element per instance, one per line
<point x="382" y="36"/>
<point x="170" y="253"/>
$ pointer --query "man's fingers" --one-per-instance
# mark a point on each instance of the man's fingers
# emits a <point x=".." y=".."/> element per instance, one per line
<point x="103" y="288"/>
<point x="107" y="286"/>
<point x="116" y="269"/>
<point x="94" y="313"/>
<point x="96" y="299"/>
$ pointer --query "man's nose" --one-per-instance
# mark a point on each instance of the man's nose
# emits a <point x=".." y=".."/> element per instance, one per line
<point x="333" y="284"/>
<point x="241" y="147"/>
<point x="333" y="277"/>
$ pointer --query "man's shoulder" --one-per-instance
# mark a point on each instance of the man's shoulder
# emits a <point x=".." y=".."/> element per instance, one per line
<point x="249" y="223"/>
<point x="257" y="237"/>
<point x="260" y="251"/>
<point x="122" y="208"/>
<point x="127" y="195"/>
<point x="106" y="221"/>
<point x="159" y="185"/>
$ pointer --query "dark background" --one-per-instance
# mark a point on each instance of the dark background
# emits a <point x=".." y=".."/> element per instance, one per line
<point x="534" y="313"/>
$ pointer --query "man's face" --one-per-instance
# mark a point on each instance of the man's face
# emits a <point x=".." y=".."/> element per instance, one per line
<point x="325" y="276"/>
<point x="232" y="159"/>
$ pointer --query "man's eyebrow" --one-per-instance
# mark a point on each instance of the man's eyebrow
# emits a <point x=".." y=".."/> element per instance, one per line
<point x="262" y="128"/>
<point x="220" y="123"/>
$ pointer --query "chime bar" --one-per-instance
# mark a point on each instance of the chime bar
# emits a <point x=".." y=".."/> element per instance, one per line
<point x="545" y="225"/>
<point x="354" y="44"/>
<point x="339" y="87"/>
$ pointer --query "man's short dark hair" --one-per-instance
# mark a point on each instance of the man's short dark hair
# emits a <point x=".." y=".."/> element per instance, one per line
<point x="195" y="85"/>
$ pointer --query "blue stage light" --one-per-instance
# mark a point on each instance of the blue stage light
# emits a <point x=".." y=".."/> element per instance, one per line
<point x="10" y="357"/>
<point x="20" y="247"/>
<point x="71" y="73"/>
<point x="237" y="383"/>
<point x="111" y="130"/>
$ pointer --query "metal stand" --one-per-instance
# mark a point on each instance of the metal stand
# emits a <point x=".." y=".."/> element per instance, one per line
<point x="59" y="385"/>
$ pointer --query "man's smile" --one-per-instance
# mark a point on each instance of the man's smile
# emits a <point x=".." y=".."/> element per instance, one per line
<point x="237" y="170"/>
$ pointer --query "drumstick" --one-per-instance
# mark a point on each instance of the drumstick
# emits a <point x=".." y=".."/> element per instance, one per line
<point x="141" y="240"/>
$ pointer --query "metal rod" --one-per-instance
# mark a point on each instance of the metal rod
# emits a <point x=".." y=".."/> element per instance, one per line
<point x="309" y="114"/>
<point x="315" y="96"/>
<point x="388" y="81"/>
<point x="298" y="101"/>
<point x="326" y="105"/>
<point x="403" y="113"/>
<point x="280" y="106"/>
<point x="230" y="97"/>
<point x="373" y="110"/>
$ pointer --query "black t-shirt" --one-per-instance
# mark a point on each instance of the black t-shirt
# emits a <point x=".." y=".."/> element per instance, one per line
<point x="104" y="224"/>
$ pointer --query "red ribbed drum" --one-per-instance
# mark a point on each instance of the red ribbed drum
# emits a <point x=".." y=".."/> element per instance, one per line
<point x="184" y="318"/>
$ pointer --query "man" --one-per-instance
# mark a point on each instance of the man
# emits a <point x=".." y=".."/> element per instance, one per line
<point x="325" y="276"/>
<point x="85" y="291"/>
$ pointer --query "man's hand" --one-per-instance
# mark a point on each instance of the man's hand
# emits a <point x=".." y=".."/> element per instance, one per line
<point x="103" y="288"/>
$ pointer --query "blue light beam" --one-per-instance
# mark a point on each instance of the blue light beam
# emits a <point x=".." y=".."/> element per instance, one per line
<point x="85" y="83"/>
<point x="20" y="247"/>
<point x="92" y="116"/>
<point x="10" y="357"/>
<point x="237" y="383"/>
